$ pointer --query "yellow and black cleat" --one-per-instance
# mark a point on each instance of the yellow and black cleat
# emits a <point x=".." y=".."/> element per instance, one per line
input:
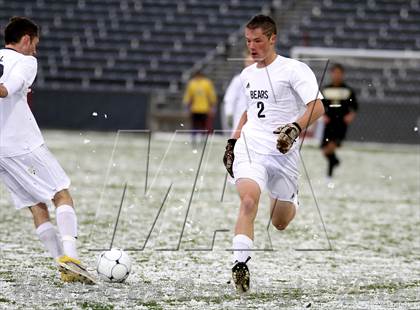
<point x="71" y="270"/>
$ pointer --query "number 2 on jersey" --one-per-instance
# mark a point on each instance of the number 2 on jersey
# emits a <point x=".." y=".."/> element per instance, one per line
<point x="260" y="105"/>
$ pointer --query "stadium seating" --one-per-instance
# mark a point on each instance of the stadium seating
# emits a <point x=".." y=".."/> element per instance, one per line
<point x="376" y="24"/>
<point x="126" y="45"/>
<point x="153" y="45"/>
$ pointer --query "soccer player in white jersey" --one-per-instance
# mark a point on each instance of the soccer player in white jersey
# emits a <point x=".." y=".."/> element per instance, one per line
<point x="30" y="172"/>
<point x="283" y="99"/>
<point x="235" y="101"/>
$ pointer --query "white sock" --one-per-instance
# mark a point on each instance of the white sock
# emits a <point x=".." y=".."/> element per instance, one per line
<point x="48" y="236"/>
<point x="242" y="245"/>
<point x="67" y="225"/>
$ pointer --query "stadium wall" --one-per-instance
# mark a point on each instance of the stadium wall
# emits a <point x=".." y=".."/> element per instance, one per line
<point x="390" y="123"/>
<point x="65" y="109"/>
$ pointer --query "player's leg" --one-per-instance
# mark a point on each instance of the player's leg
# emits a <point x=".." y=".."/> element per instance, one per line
<point x="46" y="230"/>
<point x="35" y="188"/>
<point x="249" y="193"/>
<point x="329" y="146"/>
<point x="66" y="221"/>
<point x="209" y="122"/>
<point x="69" y="264"/>
<point x="70" y="267"/>
<point x="329" y="149"/>
<point x="250" y="179"/>
<point x="40" y="214"/>
<point x="12" y="174"/>
<point x="202" y="125"/>
<point x="49" y="182"/>
<point x="281" y="213"/>
<point x="283" y="188"/>
<point x="195" y="125"/>
<point x="334" y="134"/>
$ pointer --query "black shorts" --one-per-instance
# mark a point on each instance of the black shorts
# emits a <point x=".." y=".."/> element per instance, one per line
<point x="199" y="121"/>
<point x="334" y="131"/>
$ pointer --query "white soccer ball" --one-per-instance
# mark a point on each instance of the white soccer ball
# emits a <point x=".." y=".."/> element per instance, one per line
<point x="113" y="265"/>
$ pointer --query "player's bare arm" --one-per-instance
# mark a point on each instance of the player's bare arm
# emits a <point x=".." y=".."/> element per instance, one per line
<point x="290" y="132"/>
<point x="314" y="110"/>
<point x="237" y="133"/>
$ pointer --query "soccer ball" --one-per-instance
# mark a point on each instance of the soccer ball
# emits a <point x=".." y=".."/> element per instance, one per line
<point x="113" y="265"/>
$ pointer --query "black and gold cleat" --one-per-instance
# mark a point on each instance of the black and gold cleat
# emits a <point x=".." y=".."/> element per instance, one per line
<point x="240" y="276"/>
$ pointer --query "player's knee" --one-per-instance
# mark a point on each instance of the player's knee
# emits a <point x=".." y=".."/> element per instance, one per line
<point x="39" y="208"/>
<point x="279" y="224"/>
<point x="40" y="214"/>
<point x="248" y="206"/>
<point x="63" y="197"/>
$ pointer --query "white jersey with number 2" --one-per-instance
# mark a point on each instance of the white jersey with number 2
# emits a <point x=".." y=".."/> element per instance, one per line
<point x="277" y="94"/>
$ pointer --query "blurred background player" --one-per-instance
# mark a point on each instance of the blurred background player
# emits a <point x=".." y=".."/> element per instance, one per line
<point x="30" y="172"/>
<point x="200" y="98"/>
<point x="283" y="98"/>
<point x="340" y="109"/>
<point x="235" y="101"/>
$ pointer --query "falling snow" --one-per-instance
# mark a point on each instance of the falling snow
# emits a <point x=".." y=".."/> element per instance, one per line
<point x="371" y="217"/>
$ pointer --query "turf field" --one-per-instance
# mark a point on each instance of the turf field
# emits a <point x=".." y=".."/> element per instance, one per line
<point x="176" y="223"/>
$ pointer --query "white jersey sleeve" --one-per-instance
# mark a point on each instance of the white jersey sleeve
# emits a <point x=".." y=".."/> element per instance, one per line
<point x="22" y="75"/>
<point x="303" y="81"/>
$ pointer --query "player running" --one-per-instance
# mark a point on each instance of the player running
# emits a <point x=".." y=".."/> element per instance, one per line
<point x="31" y="173"/>
<point x="340" y="110"/>
<point x="283" y="98"/>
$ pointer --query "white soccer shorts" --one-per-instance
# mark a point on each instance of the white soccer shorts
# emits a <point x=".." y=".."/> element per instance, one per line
<point x="33" y="178"/>
<point x="278" y="174"/>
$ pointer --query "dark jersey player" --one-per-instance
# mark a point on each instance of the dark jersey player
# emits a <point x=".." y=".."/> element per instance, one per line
<point x="340" y="109"/>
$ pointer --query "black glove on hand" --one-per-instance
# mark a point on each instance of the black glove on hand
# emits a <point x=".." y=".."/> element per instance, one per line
<point x="287" y="136"/>
<point x="229" y="156"/>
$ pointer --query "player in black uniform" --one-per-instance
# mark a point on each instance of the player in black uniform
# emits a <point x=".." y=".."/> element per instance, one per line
<point x="340" y="109"/>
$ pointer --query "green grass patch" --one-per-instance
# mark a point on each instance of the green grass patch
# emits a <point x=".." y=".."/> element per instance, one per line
<point x="7" y="276"/>
<point x="152" y="305"/>
<point x="391" y="286"/>
<point x="95" y="306"/>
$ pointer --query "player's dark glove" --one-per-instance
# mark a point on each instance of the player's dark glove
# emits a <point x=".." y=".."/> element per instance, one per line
<point x="287" y="136"/>
<point x="229" y="156"/>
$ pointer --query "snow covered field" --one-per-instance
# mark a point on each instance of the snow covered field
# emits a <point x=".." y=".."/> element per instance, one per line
<point x="368" y="256"/>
